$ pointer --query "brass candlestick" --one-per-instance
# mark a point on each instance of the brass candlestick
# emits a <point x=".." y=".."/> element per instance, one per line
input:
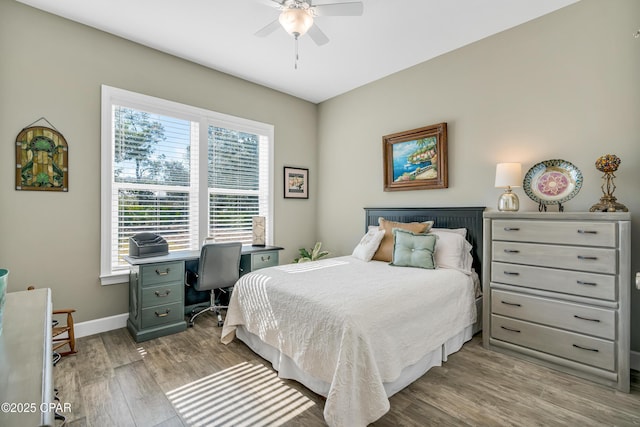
<point x="608" y="164"/>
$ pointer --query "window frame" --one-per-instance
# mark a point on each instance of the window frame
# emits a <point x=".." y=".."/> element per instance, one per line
<point x="205" y="118"/>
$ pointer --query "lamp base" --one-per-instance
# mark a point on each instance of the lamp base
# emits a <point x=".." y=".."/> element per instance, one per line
<point x="608" y="203"/>
<point x="508" y="202"/>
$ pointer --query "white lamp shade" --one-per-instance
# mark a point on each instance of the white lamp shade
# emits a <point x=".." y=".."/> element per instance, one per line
<point x="296" y="21"/>
<point x="508" y="175"/>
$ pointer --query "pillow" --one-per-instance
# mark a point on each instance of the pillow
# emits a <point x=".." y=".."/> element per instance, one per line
<point x="368" y="244"/>
<point x="413" y="250"/>
<point x="385" y="250"/>
<point x="460" y="231"/>
<point x="430" y="223"/>
<point x="452" y="250"/>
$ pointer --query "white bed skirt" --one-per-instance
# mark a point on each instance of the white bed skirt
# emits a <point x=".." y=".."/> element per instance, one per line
<point x="289" y="370"/>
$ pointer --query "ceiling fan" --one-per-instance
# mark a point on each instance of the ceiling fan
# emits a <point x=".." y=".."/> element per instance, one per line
<point x="296" y="17"/>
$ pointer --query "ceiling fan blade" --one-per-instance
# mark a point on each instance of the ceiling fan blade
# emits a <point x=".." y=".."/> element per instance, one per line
<point x="268" y="29"/>
<point x="339" y="9"/>
<point x="317" y="35"/>
<point x="272" y="3"/>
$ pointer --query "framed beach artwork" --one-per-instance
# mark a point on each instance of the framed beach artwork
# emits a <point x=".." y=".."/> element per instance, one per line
<point x="296" y="183"/>
<point x="416" y="159"/>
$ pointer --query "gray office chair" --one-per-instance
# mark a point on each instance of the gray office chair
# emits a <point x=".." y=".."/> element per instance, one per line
<point x="218" y="269"/>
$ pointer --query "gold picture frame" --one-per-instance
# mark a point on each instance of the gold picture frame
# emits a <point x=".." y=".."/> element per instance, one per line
<point x="416" y="159"/>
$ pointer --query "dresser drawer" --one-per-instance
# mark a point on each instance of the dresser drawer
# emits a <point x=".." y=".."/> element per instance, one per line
<point x="598" y="322"/>
<point x="580" y="348"/>
<point x="597" y="260"/>
<point x="165" y="272"/>
<point x="264" y="259"/>
<point x="558" y="232"/>
<point x="164" y="294"/>
<point x="162" y="314"/>
<point x="591" y="285"/>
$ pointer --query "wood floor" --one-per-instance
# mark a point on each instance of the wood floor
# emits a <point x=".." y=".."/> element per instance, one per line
<point x="190" y="379"/>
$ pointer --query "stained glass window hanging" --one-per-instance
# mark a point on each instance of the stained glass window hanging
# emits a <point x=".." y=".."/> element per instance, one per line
<point x="41" y="160"/>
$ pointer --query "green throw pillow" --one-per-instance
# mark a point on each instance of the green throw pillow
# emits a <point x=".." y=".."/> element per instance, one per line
<point x="413" y="250"/>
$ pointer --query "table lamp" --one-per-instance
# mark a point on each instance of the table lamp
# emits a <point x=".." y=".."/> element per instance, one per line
<point x="508" y="175"/>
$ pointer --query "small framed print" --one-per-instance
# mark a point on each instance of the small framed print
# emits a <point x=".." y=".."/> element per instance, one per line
<point x="296" y="183"/>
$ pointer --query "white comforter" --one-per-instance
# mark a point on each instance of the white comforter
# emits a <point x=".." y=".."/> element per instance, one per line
<point x="352" y="324"/>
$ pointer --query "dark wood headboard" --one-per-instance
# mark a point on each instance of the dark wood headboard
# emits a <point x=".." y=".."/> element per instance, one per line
<point x="464" y="217"/>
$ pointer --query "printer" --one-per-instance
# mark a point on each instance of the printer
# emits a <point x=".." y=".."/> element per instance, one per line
<point x="146" y="245"/>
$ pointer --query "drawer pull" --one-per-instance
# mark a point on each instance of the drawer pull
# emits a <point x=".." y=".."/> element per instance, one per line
<point x="512" y="330"/>
<point x="587" y="258"/>
<point x="587" y="232"/>
<point x="511" y="273"/>
<point x="511" y="303"/>
<point x="165" y="314"/>
<point x="165" y="294"/>
<point x="586" y="348"/>
<point x="511" y="229"/>
<point x="586" y="318"/>
<point x="511" y="251"/>
<point x="267" y="258"/>
<point x="163" y="273"/>
<point x="580" y="282"/>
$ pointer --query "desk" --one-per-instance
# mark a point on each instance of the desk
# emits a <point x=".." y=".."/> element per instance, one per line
<point x="156" y="288"/>
<point x="26" y="370"/>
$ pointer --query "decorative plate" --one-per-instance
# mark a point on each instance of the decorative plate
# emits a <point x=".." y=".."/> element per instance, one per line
<point x="552" y="182"/>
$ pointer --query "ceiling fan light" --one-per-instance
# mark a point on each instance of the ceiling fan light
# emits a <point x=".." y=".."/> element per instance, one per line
<point x="296" y="21"/>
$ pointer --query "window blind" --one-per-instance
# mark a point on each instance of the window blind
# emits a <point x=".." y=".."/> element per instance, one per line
<point x="154" y="180"/>
<point x="236" y="175"/>
<point x="179" y="171"/>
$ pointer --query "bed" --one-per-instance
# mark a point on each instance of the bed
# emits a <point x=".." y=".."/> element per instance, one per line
<point x="357" y="331"/>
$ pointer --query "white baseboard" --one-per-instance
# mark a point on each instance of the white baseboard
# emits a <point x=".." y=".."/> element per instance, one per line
<point x="634" y="361"/>
<point x="92" y="327"/>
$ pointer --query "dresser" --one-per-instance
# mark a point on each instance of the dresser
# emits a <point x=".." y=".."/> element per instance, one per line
<point x="557" y="291"/>
<point x="156" y="288"/>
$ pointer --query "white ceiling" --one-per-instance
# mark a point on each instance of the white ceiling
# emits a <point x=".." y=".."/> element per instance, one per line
<point x="390" y="36"/>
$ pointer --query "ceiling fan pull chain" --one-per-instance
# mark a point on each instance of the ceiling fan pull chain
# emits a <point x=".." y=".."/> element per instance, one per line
<point x="295" y="65"/>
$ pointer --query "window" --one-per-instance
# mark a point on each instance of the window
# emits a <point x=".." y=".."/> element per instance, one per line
<point x="179" y="171"/>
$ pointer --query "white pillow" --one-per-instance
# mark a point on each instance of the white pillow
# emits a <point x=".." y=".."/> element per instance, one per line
<point x="452" y="250"/>
<point x="368" y="244"/>
<point x="460" y="231"/>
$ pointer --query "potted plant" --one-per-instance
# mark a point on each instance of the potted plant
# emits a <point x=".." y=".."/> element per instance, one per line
<point x="313" y="255"/>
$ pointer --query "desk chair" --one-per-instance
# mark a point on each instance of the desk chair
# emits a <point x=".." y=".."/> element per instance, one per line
<point x="218" y="269"/>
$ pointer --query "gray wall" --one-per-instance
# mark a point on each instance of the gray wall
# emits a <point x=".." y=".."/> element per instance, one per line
<point x="562" y="86"/>
<point x="54" y="68"/>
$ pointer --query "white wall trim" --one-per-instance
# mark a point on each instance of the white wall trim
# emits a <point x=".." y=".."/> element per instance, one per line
<point x="96" y="326"/>
<point x="634" y="360"/>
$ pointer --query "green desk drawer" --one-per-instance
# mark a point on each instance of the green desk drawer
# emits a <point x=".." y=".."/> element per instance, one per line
<point x="165" y="272"/>
<point x="162" y="314"/>
<point x="263" y="260"/>
<point x="164" y="294"/>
